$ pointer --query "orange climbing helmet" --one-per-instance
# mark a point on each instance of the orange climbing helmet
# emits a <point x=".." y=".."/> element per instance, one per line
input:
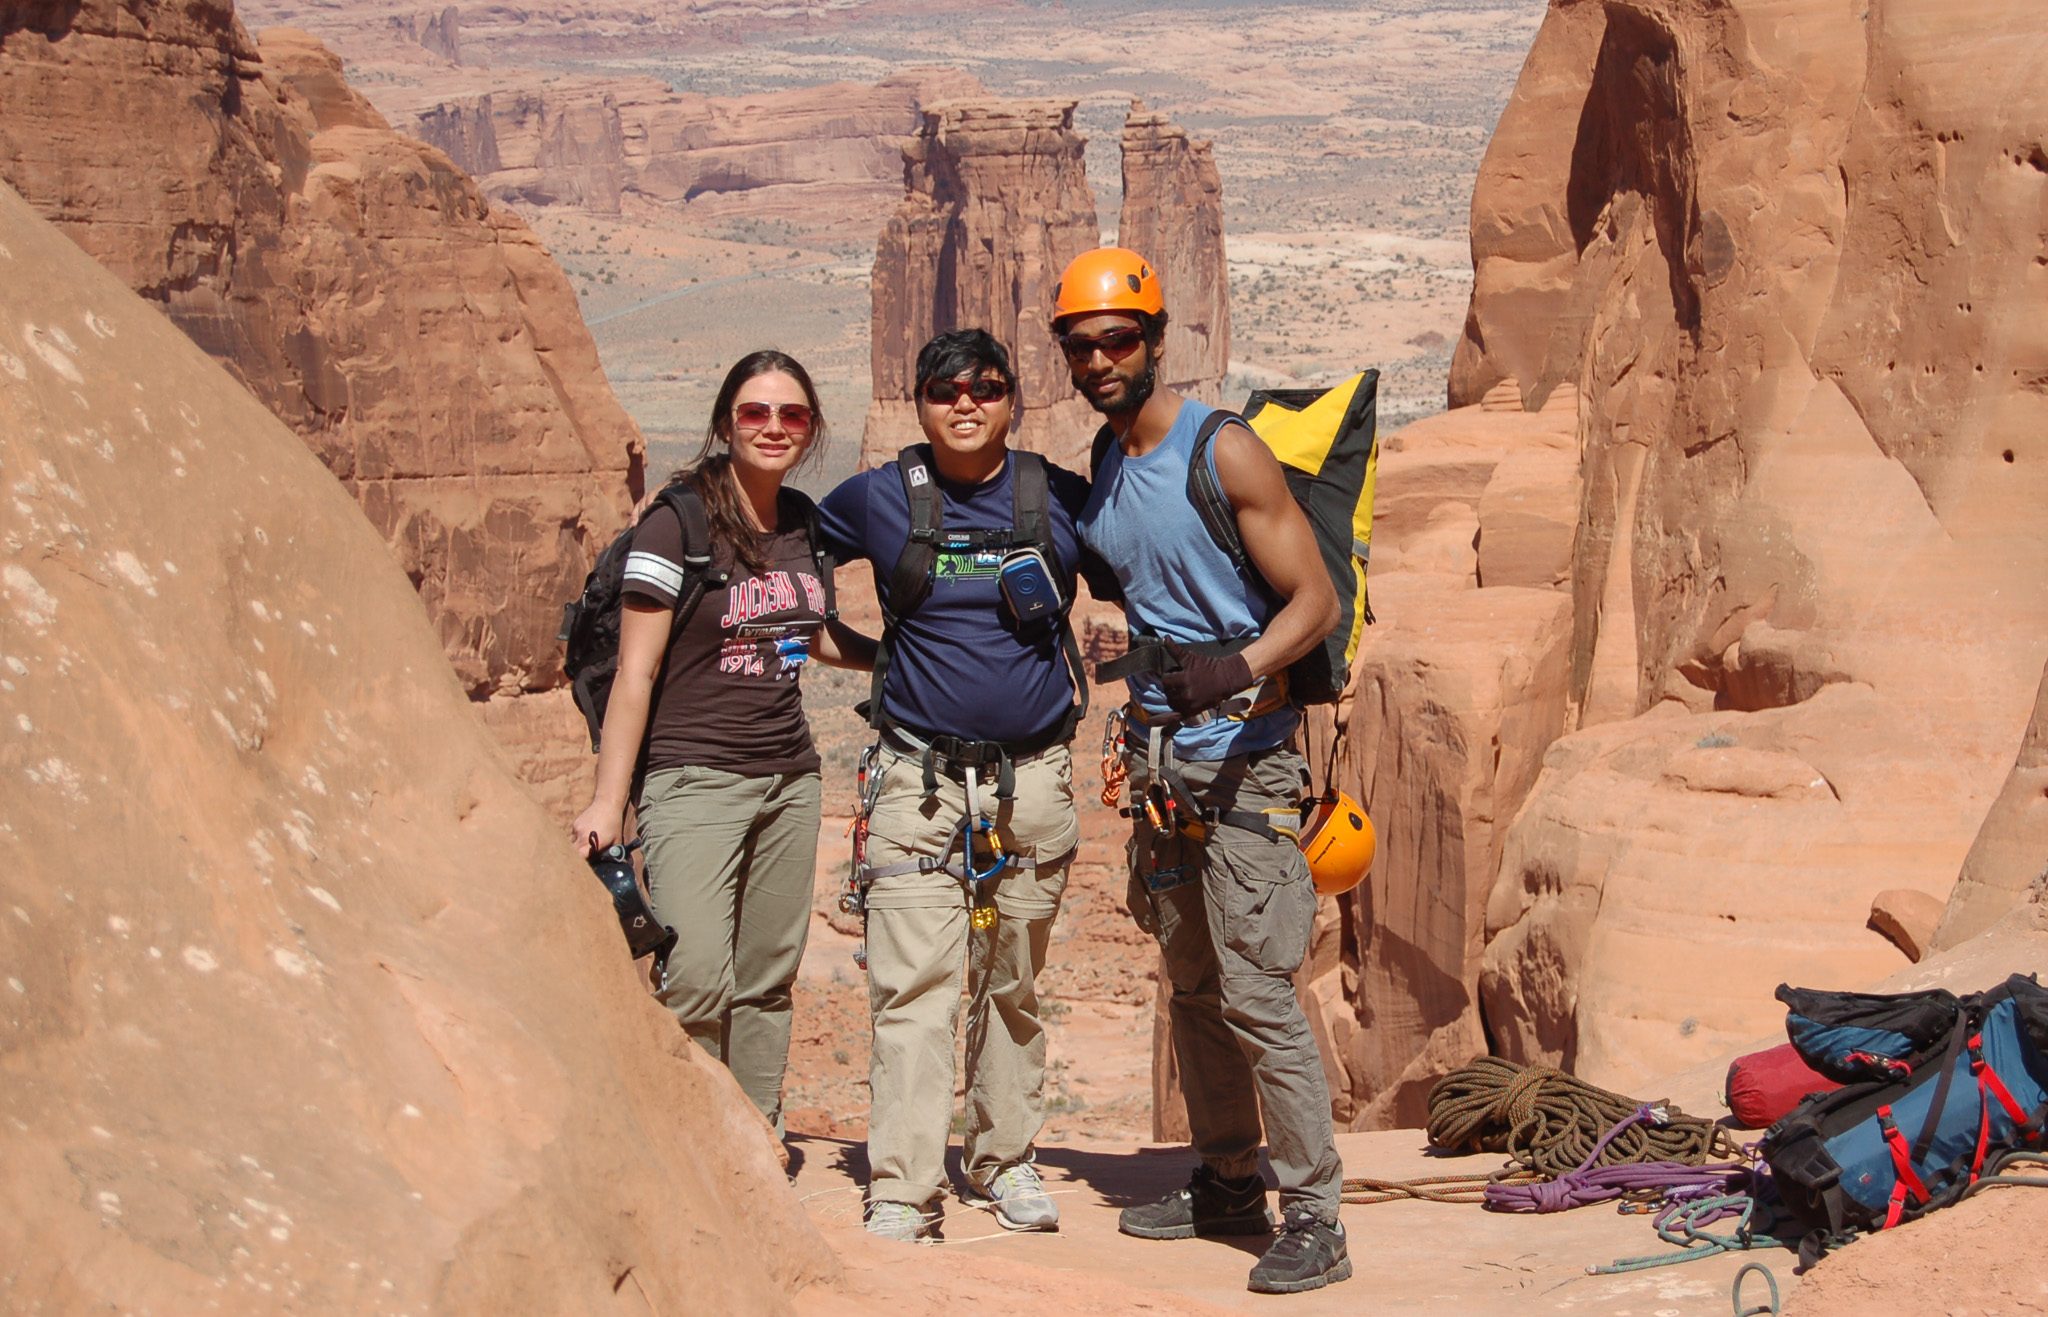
<point x="1338" y="840"/>
<point x="1107" y="279"/>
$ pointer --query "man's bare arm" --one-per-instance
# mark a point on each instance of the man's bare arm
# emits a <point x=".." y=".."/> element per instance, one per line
<point x="1277" y="537"/>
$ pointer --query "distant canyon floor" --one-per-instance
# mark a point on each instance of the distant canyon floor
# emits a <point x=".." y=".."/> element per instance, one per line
<point x="1347" y="136"/>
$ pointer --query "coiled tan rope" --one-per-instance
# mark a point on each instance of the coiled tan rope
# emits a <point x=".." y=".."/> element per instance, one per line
<point x="1548" y="1122"/>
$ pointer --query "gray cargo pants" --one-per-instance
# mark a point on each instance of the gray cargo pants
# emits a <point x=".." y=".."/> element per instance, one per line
<point x="919" y="947"/>
<point x="1233" y="913"/>
<point x="730" y="866"/>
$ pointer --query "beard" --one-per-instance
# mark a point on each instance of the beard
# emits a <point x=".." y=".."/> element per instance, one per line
<point x="1137" y="390"/>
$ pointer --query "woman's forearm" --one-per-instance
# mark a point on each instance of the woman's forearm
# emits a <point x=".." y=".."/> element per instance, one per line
<point x="625" y="726"/>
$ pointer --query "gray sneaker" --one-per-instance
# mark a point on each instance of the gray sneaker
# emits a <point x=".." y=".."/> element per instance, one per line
<point x="898" y="1221"/>
<point x="1017" y="1198"/>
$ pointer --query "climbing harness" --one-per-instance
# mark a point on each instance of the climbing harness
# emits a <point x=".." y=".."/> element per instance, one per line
<point x="1166" y="802"/>
<point x="982" y="857"/>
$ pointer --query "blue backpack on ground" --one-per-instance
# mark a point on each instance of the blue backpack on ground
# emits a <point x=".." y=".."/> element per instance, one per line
<point x="1853" y="1037"/>
<point x="1950" y="1106"/>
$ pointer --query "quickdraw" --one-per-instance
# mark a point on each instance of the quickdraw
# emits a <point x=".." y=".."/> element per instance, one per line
<point x="1115" y="769"/>
<point x="853" y="894"/>
<point x="973" y="824"/>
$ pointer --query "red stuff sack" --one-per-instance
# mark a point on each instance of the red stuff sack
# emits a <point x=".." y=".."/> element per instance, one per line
<point x="1763" y="1087"/>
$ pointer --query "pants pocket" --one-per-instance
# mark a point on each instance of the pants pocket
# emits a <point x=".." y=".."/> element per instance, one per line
<point x="1137" y="898"/>
<point x="1269" y="910"/>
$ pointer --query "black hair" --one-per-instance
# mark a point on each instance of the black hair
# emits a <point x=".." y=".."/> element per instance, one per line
<point x="963" y="351"/>
<point x="711" y="472"/>
<point x="1153" y="325"/>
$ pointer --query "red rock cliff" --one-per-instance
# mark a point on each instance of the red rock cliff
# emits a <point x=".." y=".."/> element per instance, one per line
<point x="998" y="202"/>
<point x="419" y="340"/>
<point x="308" y="1008"/>
<point x="1790" y="258"/>
<point x="826" y="156"/>
<point x="1173" y="213"/>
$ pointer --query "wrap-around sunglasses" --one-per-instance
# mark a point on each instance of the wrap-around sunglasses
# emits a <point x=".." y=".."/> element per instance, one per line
<point x="944" y="393"/>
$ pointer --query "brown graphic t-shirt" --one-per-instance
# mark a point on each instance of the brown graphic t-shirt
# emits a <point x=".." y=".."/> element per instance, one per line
<point x="728" y="696"/>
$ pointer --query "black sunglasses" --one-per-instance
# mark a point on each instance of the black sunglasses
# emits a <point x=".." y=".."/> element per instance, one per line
<point x="1116" y="344"/>
<point x="944" y="393"/>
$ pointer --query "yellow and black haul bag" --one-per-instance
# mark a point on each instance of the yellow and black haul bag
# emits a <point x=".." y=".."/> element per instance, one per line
<point x="1327" y="443"/>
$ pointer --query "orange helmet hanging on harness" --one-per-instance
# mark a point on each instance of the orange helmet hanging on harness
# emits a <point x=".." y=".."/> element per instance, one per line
<point x="1338" y="840"/>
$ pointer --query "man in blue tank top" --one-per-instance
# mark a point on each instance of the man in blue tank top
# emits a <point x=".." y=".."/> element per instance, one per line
<point x="1216" y="875"/>
<point x="970" y="820"/>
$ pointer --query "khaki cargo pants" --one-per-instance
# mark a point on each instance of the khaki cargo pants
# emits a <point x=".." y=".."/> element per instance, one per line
<point x="1233" y="914"/>
<point x="919" y="948"/>
<point x="730" y="865"/>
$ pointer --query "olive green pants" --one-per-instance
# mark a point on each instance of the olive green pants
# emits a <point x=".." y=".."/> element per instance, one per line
<point x="730" y="865"/>
<point x="1233" y="912"/>
<point x="920" y="946"/>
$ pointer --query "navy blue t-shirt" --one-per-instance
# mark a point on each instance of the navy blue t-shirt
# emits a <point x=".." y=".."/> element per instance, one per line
<point x="959" y="665"/>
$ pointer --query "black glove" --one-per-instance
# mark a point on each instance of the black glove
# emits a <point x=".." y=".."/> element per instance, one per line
<point x="1202" y="681"/>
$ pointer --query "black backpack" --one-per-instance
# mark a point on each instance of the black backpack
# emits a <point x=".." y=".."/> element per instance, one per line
<point x="590" y="622"/>
<point x="910" y="581"/>
<point x="1965" y="1086"/>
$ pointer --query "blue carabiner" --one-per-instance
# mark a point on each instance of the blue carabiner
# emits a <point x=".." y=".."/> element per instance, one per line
<point x="968" y="827"/>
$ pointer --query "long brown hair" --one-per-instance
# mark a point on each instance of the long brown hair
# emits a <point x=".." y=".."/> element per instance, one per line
<point x="710" y="474"/>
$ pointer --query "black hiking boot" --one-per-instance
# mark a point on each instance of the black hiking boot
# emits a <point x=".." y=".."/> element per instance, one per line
<point x="1309" y="1254"/>
<point x="1210" y="1205"/>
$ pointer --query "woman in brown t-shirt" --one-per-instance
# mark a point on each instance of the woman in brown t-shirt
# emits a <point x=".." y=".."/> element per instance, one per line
<point x="707" y="714"/>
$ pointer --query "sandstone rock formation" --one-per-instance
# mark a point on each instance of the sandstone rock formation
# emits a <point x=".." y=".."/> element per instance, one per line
<point x="827" y="156"/>
<point x="2008" y="862"/>
<point x="419" y="340"/>
<point x="1173" y="213"/>
<point x="306" y="1006"/>
<point x="998" y="202"/>
<point x="534" y="148"/>
<point x="1461" y="687"/>
<point x="1790" y="258"/>
<point x="1907" y="918"/>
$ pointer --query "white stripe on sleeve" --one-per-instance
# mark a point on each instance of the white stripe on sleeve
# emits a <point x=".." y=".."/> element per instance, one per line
<point x="658" y="572"/>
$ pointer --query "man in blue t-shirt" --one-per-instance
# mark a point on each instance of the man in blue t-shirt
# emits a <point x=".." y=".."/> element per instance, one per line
<point x="970" y="822"/>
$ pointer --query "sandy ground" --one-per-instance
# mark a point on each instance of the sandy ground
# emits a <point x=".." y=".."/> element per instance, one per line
<point x="1408" y="1257"/>
<point x="1095" y="1154"/>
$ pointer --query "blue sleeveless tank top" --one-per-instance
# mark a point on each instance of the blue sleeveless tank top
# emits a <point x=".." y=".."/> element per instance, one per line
<point x="1176" y="582"/>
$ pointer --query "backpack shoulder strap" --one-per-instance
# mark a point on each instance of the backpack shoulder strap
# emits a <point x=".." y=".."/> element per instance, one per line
<point x="911" y="580"/>
<point x="699" y="572"/>
<point x="821" y="557"/>
<point x="1031" y="523"/>
<point x="1031" y="501"/>
<point x="1098" y="451"/>
<point x="1205" y="491"/>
